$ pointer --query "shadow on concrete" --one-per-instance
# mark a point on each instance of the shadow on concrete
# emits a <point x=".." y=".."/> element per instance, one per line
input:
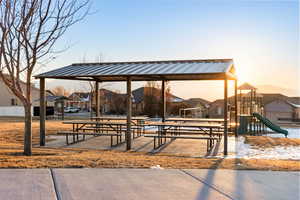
<point x="162" y="147"/>
<point x="215" y="150"/>
<point x="143" y="146"/>
<point x="208" y="180"/>
<point x="239" y="182"/>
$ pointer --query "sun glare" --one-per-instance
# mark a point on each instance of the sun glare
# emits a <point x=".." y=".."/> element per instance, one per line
<point x="242" y="75"/>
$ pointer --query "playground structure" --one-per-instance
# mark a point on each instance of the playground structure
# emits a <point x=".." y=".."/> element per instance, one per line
<point x="251" y="112"/>
<point x="194" y="112"/>
<point x="269" y="124"/>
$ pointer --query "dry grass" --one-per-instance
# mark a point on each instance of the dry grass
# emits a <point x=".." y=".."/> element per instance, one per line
<point x="58" y="158"/>
<point x="12" y="131"/>
<point x="11" y="156"/>
<point x="264" y="141"/>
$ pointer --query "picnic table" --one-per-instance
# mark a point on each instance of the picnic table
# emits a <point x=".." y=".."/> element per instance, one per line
<point x="208" y="120"/>
<point x="135" y="120"/>
<point x="99" y="128"/>
<point x="173" y="130"/>
<point x="231" y="125"/>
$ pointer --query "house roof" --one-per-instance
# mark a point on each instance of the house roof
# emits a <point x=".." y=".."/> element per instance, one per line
<point x="138" y="94"/>
<point x="285" y="101"/>
<point x="53" y="98"/>
<point x="212" y="69"/>
<point x="293" y="104"/>
<point x="195" y="102"/>
<point x="50" y="93"/>
<point x="109" y="95"/>
<point x="217" y="102"/>
<point x="294" y="100"/>
<point x="266" y="99"/>
<point x="80" y="94"/>
<point x="269" y="97"/>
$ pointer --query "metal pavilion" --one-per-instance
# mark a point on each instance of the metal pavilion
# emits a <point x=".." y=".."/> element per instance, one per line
<point x="170" y="70"/>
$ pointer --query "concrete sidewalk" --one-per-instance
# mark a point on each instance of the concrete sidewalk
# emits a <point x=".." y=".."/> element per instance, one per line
<point x="147" y="184"/>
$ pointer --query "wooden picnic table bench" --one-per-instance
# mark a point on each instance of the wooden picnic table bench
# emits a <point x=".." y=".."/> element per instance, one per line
<point x="191" y="132"/>
<point x="119" y="127"/>
<point x="209" y="140"/>
<point x="99" y="128"/>
<point x="83" y="134"/>
<point x="173" y="130"/>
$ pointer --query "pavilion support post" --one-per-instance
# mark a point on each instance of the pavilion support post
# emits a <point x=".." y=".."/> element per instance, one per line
<point x="63" y="109"/>
<point x="129" y="113"/>
<point x="163" y="99"/>
<point x="97" y="99"/>
<point x="225" y="116"/>
<point x="236" y="108"/>
<point x="42" y="112"/>
<point x="251" y="110"/>
<point x="242" y="106"/>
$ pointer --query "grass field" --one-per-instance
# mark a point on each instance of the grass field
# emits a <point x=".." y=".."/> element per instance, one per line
<point x="11" y="134"/>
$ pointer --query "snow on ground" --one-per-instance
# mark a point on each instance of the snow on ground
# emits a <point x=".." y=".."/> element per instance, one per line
<point x="293" y="133"/>
<point x="238" y="149"/>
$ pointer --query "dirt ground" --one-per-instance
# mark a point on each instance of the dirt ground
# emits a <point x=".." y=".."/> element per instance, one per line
<point x="11" y="139"/>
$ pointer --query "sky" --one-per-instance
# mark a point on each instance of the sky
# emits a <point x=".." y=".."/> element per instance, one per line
<point x="262" y="37"/>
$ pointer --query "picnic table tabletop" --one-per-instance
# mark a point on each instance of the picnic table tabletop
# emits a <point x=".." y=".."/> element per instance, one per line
<point x="119" y="118"/>
<point x="94" y="122"/>
<point x="174" y="124"/>
<point x="195" y="119"/>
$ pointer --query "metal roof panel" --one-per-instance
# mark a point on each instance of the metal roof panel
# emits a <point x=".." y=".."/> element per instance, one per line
<point x="153" y="68"/>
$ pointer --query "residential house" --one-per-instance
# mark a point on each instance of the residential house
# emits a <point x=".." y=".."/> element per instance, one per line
<point x="147" y="100"/>
<point x="112" y="102"/>
<point x="10" y="105"/>
<point x="278" y="107"/>
<point x="79" y="100"/>
<point x="57" y="102"/>
<point x="196" y="107"/>
<point x="281" y="110"/>
<point x="216" y="109"/>
<point x="269" y="97"/>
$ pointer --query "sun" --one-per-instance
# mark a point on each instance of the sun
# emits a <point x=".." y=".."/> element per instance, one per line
<point x="242" y="75"/>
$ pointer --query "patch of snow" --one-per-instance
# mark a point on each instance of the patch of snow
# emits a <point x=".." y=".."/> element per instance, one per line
<point x="238" y="149"/>
<point x="293" y="133"/>
<point x="156" y="167"/>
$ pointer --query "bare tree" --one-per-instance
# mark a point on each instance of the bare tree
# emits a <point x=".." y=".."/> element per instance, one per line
<point x="92" y="90"/>
<point x="28" y="31"/>
<point x="60" y="91"/>
<point x="151" y="98"/>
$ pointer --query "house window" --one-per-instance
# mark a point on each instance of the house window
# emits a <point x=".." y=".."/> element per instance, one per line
<point x="219" y="110"/>
<point x="14" y="102"/>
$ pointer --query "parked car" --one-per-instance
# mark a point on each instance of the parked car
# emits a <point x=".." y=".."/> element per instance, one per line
<point x="71" y="110"/>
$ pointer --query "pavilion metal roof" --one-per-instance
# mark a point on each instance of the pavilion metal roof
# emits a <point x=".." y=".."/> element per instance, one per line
<point x="212" y="69"/>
